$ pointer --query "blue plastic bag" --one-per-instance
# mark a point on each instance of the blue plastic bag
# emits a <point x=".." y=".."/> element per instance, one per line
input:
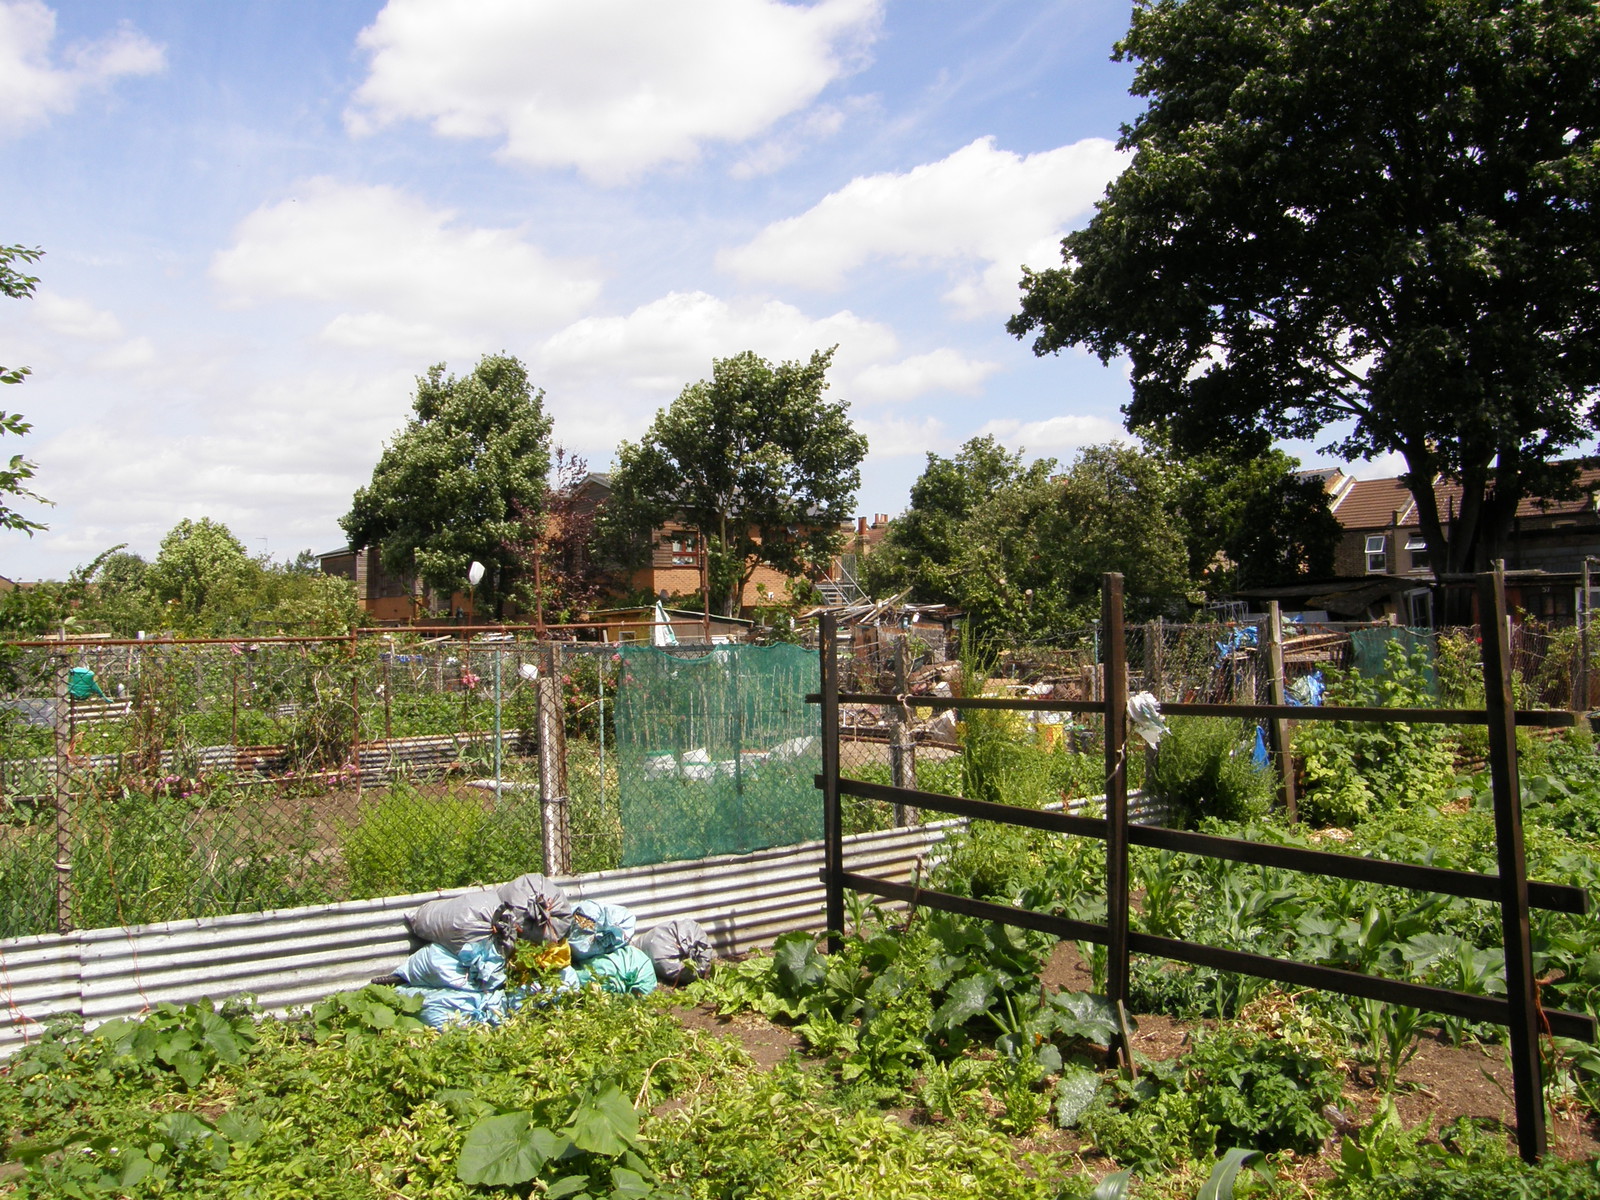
<point x="598" y="929"/>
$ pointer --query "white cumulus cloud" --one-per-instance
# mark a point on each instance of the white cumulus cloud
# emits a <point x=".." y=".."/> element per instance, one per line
<point x="942" y="370"/>
<point x="36" y="85"/>
<point x="611" y="87"/>
<point x="409" y="276"/>
<point x="1053" y="433"/>
<point x="980" y="214"/>
<point x="75" y="318"/>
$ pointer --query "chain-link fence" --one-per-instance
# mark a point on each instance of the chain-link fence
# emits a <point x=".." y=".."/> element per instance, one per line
<point x="152" y="781"/>
<point x="1039" y="758"/>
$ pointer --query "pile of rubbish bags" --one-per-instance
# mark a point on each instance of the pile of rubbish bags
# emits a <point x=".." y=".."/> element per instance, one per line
<point x="490" y="953"/>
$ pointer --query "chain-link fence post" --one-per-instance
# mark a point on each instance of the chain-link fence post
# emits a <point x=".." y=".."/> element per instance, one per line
<point x="553" y="812"/>
<point x="355" y="712"/>
<point x="61" y="782"/>
<point x="902" y="747"/>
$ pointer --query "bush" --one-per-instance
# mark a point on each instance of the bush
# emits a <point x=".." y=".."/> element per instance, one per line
<point x="1356" y="769"/>
<point x="407" y="842"/>
<point x="1205" y="768"/>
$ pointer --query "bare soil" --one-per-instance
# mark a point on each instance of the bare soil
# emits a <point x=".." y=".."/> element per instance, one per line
<point x="1442" y="1082"/>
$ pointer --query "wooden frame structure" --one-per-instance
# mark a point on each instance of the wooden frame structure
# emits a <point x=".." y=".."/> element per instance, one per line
<point x="1519" y="1010"/>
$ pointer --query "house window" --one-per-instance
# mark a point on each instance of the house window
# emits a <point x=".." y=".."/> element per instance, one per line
<point x="685" y="550"/>
<point x="1417" y="547"/>
<point x="1419" y="608"/>
<point x="1377" y="554"/>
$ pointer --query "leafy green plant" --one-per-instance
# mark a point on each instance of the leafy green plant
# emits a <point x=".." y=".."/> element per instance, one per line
<point x="1354" y="770"/>
<point x="1235" y="1087"/>
<point x="595" y="1152"/>
<point x="405" y="841"/>
<point x="1204" y="768"/>
<point x="189" y="1041"/>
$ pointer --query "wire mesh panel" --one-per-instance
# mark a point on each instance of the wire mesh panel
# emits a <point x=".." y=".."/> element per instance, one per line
<point x="717" y="751"/>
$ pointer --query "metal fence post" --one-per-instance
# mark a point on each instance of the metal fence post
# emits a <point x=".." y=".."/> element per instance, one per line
<point x="1114" y="644"/>
<point x="902" y="746"/>
<point x="1522" y="993"/>
<point x="62" y="786"/>
<point x="832" y="824"/>
<point x="1277" y="728"/>
<point x="553" y="814"/>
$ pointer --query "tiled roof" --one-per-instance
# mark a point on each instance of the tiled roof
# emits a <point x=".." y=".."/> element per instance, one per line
<point x="1372" y="503"/>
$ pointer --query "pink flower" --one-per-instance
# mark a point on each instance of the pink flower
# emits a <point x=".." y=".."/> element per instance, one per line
<point x="469" y="680"/>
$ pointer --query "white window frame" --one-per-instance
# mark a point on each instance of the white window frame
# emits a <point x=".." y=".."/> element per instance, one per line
<point x="1415" y="544"/>
<point x="1377" y="559"/>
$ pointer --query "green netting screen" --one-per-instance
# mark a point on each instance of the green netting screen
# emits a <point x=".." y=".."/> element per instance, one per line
<point x="717" y="753"/>
<point x="1370" y="647"/>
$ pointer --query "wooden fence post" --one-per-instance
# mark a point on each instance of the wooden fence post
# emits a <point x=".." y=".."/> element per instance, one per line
<point x="1278" y="728"/>
<point x="553" y="810"/>
<point x="902" y="747"/>
<point x="1114" y="647"/>
<point x="832" y="824"/>
<point x="1154" y="655"/>
<point x="1522" y="993"/>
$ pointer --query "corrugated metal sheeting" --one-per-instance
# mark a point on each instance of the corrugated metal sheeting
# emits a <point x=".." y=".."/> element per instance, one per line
<point x="297" y="956"/>
<point x="300" y="955"/>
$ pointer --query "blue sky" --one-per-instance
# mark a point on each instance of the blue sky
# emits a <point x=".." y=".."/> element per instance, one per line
<point x="262" y="220"/>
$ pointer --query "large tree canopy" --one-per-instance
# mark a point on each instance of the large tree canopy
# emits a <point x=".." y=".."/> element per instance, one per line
<point x="756" y="459"/>
<point x="460" y="479"/>
<point x="1021" y="548"/>
<point x="1371" y="217"/>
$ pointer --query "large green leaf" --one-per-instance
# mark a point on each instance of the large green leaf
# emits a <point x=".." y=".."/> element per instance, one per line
<point x="1114" y="1186"/>
<point x="1074" y="1094"/>
<point x="967" y="997"/>
<point x="505" y="1150"/>
<point x="1084" y="1015"/>
<point x="798" y="966"/>
<point x="1219" y="1185"/>
<point x="607" y="1124"/>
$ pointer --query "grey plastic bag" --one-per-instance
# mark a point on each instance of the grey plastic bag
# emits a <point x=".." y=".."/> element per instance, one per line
<point x="530" y="908"/>
<point x="680" y="950"/>
<point x="455" y="921"/>
<point x="541" y="909"/>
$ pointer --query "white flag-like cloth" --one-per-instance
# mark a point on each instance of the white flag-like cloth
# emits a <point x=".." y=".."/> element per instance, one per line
<point x="663" y="634"/>
<point x="1144" y="711"/>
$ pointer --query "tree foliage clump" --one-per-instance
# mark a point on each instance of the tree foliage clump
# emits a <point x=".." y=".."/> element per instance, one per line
<point x="756" y="459"/>
<point x="1022" y="547"/>
<point x="201" y="583"/>
<point x="456" y="483"/>
<point x="1351" y="215"/>
<point x="15" y="472"/>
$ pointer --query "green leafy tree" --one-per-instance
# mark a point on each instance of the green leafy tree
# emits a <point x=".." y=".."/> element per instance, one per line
<point x="16" y="471"/>
<point x="200" y="572"/>
<point x="756" y="459"/>
<point x="1251" y="521"/>
<point x="1372" y="218"/>
<point x="455" y="484"/>
<point x="921" y="548"/>
<point x="1025" y="555"/>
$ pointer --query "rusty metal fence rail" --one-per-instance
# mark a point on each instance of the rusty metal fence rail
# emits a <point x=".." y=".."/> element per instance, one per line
<point x="842" y="782"/>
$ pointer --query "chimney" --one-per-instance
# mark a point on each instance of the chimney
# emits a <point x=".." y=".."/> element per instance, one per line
<point x="879" y="520"/>
<point x="861" y="526"/>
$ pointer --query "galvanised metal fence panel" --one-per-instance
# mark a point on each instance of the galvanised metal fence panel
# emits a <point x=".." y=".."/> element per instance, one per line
<point x="294" y="957"/>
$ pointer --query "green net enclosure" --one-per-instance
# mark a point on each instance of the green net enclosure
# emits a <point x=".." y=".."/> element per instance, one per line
<point x="717" y="752"/>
